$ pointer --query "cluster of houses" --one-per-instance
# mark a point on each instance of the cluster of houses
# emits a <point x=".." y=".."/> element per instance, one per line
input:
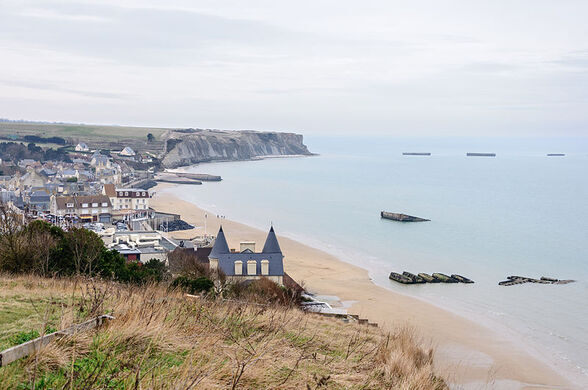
<point x="93" y="187"/>
<point x="96" y="191"/>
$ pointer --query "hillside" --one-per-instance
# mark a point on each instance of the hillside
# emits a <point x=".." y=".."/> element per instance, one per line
<point x="162" y="339"/>
<point x="176" y="147"/>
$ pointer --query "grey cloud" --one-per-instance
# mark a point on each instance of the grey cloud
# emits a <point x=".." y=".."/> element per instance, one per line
<point x="490" y="67"/>
<point x="55" y="87"/>
<point x="145" y="36"/>
<point x="576" y="59"/>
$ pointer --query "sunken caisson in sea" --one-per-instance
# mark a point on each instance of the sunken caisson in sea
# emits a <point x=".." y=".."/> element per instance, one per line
<point x="415" y="278"/>
<point x="462" y="279"/>
<point x="401" y="217"/>
<point x="400" y="278"/>
<point x="444" y="278"/>
<point x="428" y="278"/>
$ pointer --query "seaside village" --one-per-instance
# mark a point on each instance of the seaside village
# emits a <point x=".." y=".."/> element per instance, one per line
<point x="109" y="193"/>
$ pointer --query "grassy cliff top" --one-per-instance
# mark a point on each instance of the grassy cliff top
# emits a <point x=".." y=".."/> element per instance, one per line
<point x="161" y="339"/>
<point x="96" y="136"/>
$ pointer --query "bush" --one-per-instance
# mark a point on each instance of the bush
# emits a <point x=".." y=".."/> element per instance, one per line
<point x="45" y="249"/>
<point x="263" y="291"/>
<point x="193" y="286"/>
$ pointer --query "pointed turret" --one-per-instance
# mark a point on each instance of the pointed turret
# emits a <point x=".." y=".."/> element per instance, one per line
<point x="220" y="245"/>
<point x="271" y="243"/>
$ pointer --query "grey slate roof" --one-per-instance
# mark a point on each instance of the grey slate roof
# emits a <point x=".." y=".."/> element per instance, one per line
<point x="220" y="245"/>
<point x="271" y="243"/>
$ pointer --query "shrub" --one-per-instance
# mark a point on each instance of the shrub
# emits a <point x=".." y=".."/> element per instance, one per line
<point x="263" y="291"/>
<point x="45" y="249"/>
<point x="192" y="286"/>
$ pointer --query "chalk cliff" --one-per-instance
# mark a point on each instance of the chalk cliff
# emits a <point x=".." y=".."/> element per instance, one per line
<point x="191" y="146"/>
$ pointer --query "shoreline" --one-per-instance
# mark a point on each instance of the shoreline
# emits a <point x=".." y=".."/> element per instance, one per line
<point x="467" y="353"/>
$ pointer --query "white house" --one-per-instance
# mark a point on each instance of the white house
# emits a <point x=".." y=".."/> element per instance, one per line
<point x="127" y="152"/>
<point x="82" y="147"/>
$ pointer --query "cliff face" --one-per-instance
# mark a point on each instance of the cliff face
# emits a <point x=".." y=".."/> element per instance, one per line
<point x="186" y="147"/>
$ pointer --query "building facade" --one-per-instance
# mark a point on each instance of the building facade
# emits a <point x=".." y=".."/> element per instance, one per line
<point x="247" y="264"/>
<point x="88" y="208"/>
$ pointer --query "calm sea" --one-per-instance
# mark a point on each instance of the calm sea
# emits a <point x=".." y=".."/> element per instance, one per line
<point x="519" y="213"/>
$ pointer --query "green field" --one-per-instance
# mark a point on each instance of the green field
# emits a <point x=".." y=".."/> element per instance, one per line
<point x="96" y="136"/>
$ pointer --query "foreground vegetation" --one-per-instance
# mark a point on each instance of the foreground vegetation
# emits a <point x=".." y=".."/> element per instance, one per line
<point x="230" y="335"/>
<point x="163" y="339"/>
<point x="47" y="250"/>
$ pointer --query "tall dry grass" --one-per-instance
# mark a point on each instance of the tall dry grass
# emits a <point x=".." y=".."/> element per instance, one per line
<point x="163" y="340"/>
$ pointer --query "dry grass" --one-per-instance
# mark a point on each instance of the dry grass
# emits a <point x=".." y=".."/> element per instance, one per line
<point x="161" y="340"/>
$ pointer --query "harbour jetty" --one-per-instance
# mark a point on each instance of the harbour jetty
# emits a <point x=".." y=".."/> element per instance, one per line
<point x="416" y="154"/>
<point x="514" y="280"/>
<point x="199" y="176"/>
<point x="178" y="181"/>
<point x="481" y="154"/>
<point x="421" y="278"/>
<point x="401" y="217"/>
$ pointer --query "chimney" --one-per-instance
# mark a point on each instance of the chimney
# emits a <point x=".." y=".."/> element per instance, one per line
<point x="247" y="245"/>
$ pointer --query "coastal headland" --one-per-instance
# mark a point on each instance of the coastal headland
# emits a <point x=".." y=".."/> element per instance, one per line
<point x="467" y="353"/>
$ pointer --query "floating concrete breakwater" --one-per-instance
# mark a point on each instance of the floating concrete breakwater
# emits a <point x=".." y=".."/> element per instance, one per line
<point x="481" y="154"/>
<point x="401" y="217"/>
<point x="421" y="278"/>
<point x="416" y="154"/>
<point x="514" y="280"/>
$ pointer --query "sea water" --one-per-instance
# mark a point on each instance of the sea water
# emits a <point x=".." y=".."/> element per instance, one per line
<point x="519" y="213"/>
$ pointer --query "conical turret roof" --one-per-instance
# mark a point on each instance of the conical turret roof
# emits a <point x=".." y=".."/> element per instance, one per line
<point x="220" y="245"/>
<point x="271" y="243"/>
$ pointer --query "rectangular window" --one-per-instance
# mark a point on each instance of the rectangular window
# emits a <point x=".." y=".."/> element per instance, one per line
<point x="251" y="267"/>
<point x="69" y="205"/>
<point x="265" y="267"/>
<point x="238" y="267"/>
<point x="84" y="204"/>
<point x="94" y="204"/>
<point x="104" y="204"/>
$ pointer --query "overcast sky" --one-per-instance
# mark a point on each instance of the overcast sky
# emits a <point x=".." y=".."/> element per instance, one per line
<point x="516" y="67"/>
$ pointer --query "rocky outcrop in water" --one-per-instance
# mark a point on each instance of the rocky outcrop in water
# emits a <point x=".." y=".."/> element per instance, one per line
<point x="191" y="146"/>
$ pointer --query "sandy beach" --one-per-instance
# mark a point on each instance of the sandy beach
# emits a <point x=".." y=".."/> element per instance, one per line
<point x="466" y="353"/>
